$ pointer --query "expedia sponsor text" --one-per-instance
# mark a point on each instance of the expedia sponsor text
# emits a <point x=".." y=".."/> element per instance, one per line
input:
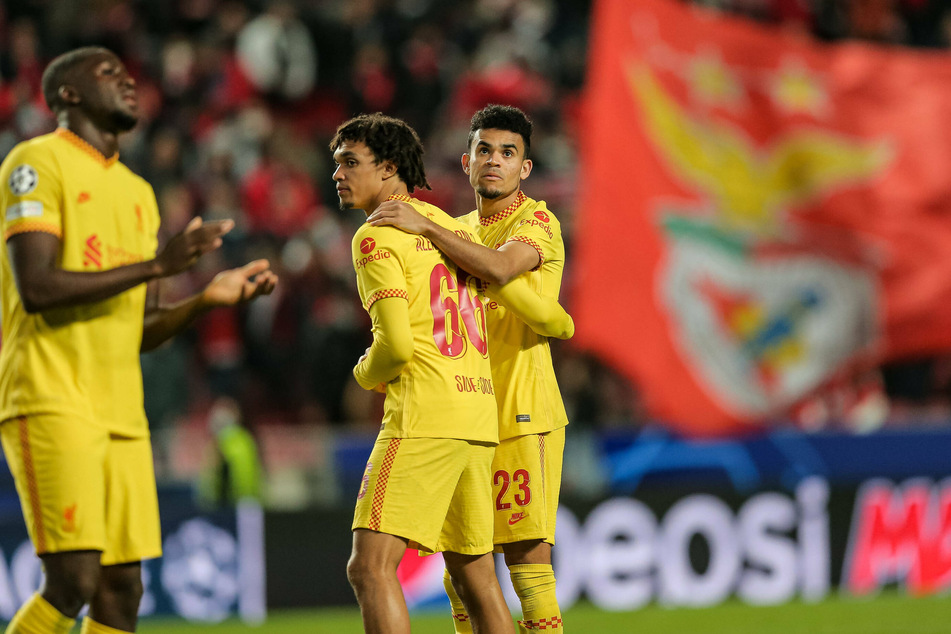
<point x="378" y="255"/>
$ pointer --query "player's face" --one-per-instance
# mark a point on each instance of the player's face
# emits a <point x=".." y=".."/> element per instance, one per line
<point x="359" y="177"/>
<point x="107" y="93"/>
<point x="495" y="163"/>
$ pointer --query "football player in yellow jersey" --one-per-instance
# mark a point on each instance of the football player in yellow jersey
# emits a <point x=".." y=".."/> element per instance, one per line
<point x="426" y="484"/>
<point x="526" y="243"/>
<point x="79" y="297"/>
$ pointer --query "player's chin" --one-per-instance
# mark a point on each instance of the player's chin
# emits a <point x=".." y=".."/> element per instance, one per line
<point x="489" y="193"/>
<point x="125" y="120"/>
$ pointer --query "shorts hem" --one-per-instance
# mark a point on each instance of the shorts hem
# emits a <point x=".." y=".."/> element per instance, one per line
<point x="132" y="559"/>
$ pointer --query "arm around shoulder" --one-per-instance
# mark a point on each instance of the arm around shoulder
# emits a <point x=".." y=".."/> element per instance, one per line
<point x="544" y="315"/>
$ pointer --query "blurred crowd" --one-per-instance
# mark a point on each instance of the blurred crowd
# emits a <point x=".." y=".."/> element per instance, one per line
<point x="921" y="23"/>
<point x="239" y="100"/>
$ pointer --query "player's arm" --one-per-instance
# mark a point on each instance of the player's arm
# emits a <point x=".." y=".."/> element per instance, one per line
<point x="228" y="288"/>
<point x="43" y="285"/>
<point x="542" y="314"/>
<point x="496" y="266"/>
<point x="392" y="346"/>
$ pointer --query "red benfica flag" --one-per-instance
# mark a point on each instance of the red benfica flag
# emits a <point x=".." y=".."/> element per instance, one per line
<point x="761" y="213"/>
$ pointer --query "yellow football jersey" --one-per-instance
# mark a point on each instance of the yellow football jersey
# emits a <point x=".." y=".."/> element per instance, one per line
<point x="446" y="389"/>
<point x="525" y="386"/>
<point x="80" y="361"/>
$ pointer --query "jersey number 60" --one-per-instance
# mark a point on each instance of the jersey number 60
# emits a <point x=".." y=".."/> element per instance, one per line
<point x="457" y="315"/>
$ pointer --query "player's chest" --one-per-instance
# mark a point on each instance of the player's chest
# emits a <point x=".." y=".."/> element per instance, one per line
<point x="104" y="223"/>
<point x="495" y="235"/>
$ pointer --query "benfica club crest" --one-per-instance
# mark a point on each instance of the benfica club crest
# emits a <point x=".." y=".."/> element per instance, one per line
<point x="763" y="307"/>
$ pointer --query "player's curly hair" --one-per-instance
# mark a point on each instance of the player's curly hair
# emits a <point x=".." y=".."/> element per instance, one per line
<point x="58" y="72"/>
<point x="497" y="117"/>
<point x="389" y="139"/>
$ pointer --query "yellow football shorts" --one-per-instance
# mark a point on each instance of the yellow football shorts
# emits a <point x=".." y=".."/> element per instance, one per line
<point x="82" y="488"/>
<point x="526" y="481"/>
<point x="434" y="492"/>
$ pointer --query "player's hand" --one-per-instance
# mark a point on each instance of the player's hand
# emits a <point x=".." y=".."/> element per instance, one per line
<point x="236" y="286"/>
<point x="195" y="240"/>
<point x="380" y="387"/>
<point x="399" y="214"/>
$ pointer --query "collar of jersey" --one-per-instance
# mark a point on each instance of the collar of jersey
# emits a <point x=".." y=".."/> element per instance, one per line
<point x="78" y="141"/>
<point x="403" y="197"/>
<point x="505" y="213"/>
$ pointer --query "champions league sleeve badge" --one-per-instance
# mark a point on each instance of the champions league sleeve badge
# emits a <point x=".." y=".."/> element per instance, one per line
<point x="23" y="180"/>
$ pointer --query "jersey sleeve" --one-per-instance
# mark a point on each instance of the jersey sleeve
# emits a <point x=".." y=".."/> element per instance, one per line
<point x="381" y="276"/>
<point x="32" y="193"/>
<point x="542" y="314"/>
<point x="378" y="264"/>
<point x="539" y="229"/>
<point x="392" y="346"/>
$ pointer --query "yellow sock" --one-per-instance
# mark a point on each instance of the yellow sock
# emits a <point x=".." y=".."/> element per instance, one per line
<point x="535" y="587"/>
<point x="94" y="627"/>
<point x="37" y="616"/>
<point x="460" y="618"/>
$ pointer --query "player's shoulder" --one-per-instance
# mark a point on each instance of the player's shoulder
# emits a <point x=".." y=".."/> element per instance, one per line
<point x="538" y="210"/>
<point x="470" y="219"/>
<point x="368" y="237"/>
<point x="39" y="149"/>
<point x="462" y="229"/>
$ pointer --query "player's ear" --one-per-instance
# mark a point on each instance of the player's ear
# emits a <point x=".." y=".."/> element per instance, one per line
<point x="389" y="169"/>
<point x="465" y="162"/>
<point x="68" y="95"/>
<point x="526" y="169"/>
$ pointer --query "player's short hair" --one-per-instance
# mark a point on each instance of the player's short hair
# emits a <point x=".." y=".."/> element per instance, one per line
<point x="498" y="117"/>
<point x="389" y="139"/>
<point x="57" y="72"/>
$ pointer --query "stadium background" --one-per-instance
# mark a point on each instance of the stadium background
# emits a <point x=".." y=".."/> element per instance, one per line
<point x="239" y="101"/>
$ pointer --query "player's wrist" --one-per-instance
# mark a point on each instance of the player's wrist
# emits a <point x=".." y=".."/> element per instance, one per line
<point x="154" y="269"/>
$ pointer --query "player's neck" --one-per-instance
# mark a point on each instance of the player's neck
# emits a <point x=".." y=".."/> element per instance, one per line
<point x="106" y="143"/>
<point x="491" y="206"/>
<point x="392" y="187"/>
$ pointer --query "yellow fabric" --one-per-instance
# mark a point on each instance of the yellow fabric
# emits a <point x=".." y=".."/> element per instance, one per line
<point x="81" y="361"/>
<point x="37" y="616"/>
<point x="544" y="315"/>
<point x="434" y="492"/>
<point x="525" y="386"/>
<point x="526" y="479"/>
<point x="446" y="388"/>
<point x="460" y="616"/>
<point x="535" y="586"/>
<point x="94" y="627"/>
<point x="82" y="489"/>
<point x="392" y="343"/>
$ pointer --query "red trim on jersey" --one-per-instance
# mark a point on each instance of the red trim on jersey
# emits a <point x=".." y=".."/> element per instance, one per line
<point x="387" y="292"/>
<point x="534" y="245"/>
<point x="83" y="145"/>
<point x="31" y="226"/>
<point x="405" y="198"/>
<point x="505" y="213"/>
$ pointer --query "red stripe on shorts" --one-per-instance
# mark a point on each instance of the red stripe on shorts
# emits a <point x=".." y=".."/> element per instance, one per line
<point x="541" y="457"/>
<point x="379" y="491"/>
<point x="39" y="532"/>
